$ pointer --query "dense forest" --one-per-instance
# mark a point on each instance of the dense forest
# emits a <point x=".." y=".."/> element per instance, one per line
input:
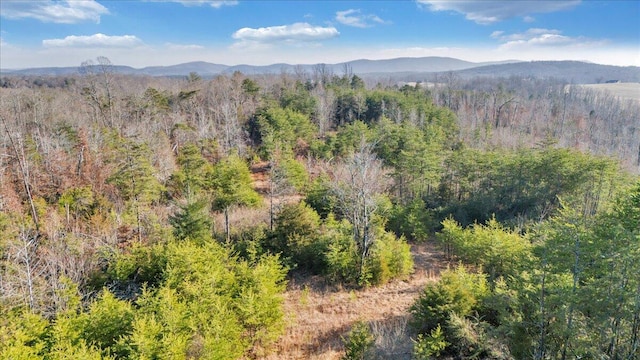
<point x="153" y="218"/>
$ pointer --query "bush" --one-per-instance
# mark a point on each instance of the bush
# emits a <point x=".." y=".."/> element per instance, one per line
<point x="108" y="320"/>
<point x="320" y="197"/>
<point x="471" y="340"/>
<point x="341" y="257"/>
<point x="427" y="346"/>
<point x="413" y="221"/>
<point x="359" y="343"/>
<point x="500" y="251"/>
<point x="128" y="272"/>
<point x="297" y="237"/>
<point x="458" y="292"/>
<point x="390" y="258"/>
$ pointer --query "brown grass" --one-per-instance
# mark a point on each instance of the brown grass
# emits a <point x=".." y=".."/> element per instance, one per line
<point x="627" y="91"/>
<point x="319" y="315"/>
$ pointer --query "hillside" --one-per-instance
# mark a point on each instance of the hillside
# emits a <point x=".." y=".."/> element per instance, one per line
<point x="574" y="72"/>
<point x="395" y="70"/>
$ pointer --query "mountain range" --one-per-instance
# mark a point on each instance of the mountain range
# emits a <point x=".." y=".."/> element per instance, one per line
<point x="411" y="69"/>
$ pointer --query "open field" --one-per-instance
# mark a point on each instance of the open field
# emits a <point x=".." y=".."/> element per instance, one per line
<point x="629" y="91"/>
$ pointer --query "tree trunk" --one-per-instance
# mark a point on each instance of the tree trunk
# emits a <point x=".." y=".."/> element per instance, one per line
<point x="226" y="225"/>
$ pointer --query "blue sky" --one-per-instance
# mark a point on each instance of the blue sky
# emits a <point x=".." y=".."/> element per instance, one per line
<point x="165" y="32"/>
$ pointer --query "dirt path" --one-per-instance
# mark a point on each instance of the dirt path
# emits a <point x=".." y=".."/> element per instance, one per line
<point x="319" y="315"/>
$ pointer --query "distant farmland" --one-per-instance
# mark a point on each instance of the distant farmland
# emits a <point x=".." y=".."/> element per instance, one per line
<point x="623" y="90"/>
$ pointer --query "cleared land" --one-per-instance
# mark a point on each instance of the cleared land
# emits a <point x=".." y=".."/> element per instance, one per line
<point x="320" y="315"/>
<point x="630" y="91"/>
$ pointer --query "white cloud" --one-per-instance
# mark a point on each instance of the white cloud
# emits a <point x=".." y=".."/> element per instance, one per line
<point x="63" y="12"/>
<point x="353" y="17"/>
<point x="492" y="11"/>
<point x="538" y="38"/>
<point x="183" y="46"/>
<point x="213" y="3"/>
<point x="528" y="19"/>
<point x="96" y="40"/>
<point x="294" y="33"/>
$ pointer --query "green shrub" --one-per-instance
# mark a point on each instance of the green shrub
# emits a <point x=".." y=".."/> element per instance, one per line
<point x="341" y="257"/>
<point x="23" y="334"/>
<point x="297" y="237"/>
<point x="413" y="221"/>
<point x="426" y="346"/>
<point x="107" y="321"/>
<point x="127" y="272"/>
<point x="320" y="197"/>
<point x="390" y="258"/>
<point x="471" y="339"/>
<point x="500" y="251"/>
<point x="457" y="291"/>
<point x="192" y="221"/>
<point x="359" y="343"/>
<point x="252" y="242"/>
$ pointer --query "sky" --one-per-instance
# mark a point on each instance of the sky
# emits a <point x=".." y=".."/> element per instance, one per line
<point x="47" y="33"/>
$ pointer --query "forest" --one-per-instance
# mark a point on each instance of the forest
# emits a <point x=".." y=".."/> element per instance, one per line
<point x="164" y="217"/>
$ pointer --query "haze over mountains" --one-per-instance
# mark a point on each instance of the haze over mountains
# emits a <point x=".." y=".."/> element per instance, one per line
<point x="408" y="69"/>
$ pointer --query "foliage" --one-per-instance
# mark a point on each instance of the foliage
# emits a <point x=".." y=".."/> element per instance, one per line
<point x="191" y="178"/>
<point x="283" y="129"/>
<point x="192" y="221"/>
<point x="390" y="258"/>
<point x="23" y="334"/>
<point x="231" y="181"/>
<point x="523" y="186"/>
<point x="107" y="183"/>
<point x="246" y="298"/>
<point x="415" y="154"/>
<point x="457" y="292"/>
<point x="232" y="186"/>
<point x="349" y="138"/>
<point x="469" y="339"/>
<point x="207" y="305"/>
<point x="320" y="197"/>
<point x="594" y="258"/>
<point x="135" y="177"/>
<point x="359" y="343"/>
<point x="498" y="251"/>
<point x="342" y="255"/>
<point x="427" y="346"/>
<point x="298" y="99"/>
<point x="107" y="323"/>
<point x="295" y="173"/>
<point x="413" y="220"/>
<point x="78" y="201"/>
<point x="296" y="237"/>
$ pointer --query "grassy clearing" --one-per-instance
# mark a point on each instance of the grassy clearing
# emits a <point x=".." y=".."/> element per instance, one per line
<point x="320" y="315"/>
<point x="629" y="91"/>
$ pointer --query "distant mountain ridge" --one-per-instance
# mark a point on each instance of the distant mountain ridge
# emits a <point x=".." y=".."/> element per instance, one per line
<point x="362" y="66"/>
<point x="573" y="71"/>
<point x="405" y="68"/>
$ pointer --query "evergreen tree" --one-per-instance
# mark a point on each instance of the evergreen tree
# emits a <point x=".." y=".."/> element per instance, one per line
<point x="232" y="186"/>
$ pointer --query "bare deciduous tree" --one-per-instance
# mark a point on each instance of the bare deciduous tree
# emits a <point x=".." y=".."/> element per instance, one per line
<point x="359" y="182"/>
<point x="325" y="108"/>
